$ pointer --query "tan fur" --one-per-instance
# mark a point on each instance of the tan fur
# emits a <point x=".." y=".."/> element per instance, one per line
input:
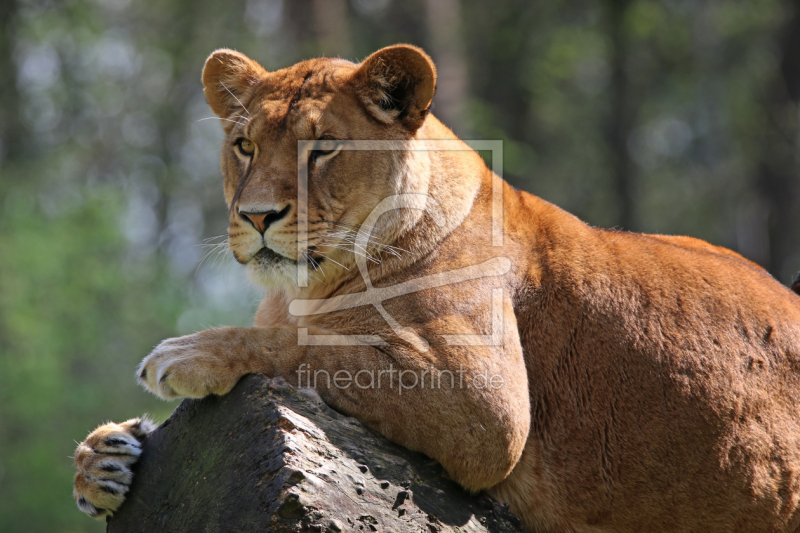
<point x="649" y="383"/>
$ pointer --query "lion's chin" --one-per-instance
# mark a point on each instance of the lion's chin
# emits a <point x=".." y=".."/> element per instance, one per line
<point x="278" y="275"/>
<point x="270" y="269"/>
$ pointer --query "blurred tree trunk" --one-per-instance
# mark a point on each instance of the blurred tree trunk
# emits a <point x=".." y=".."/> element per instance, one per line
<point x="11" y="145"/>
<point x="184" y="45"/>
<point x="778" y="179"/>
<point x="331" y="28"/>
<point x="443" y="21"/>
<point x="620" y="119"/>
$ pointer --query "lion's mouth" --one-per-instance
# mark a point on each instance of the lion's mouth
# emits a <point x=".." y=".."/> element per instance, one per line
<point x="267" y="257"/>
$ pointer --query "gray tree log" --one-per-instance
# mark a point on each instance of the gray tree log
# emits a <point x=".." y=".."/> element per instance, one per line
<point x="269" y="457"/>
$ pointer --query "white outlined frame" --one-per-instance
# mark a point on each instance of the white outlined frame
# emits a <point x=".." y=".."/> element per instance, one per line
<point x="494" y="267"/>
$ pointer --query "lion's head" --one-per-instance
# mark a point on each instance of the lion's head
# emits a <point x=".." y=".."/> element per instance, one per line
<point x="265" y="114"/>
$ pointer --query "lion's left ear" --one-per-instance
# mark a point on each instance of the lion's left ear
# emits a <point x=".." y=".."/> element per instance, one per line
<point x="397" y="84"/>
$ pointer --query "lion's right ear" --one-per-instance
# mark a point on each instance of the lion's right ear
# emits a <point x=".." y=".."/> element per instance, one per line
<point x="228" y="78"/>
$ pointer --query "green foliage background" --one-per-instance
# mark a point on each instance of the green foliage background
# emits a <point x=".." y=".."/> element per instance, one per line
<point x="665" y="116"/>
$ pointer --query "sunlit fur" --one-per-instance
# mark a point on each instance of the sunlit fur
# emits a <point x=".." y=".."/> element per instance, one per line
<point x="649" y="383"/>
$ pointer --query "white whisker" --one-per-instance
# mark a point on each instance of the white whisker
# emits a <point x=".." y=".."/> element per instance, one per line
<point x="223" y="236"/>
<point x="347" y="238"/>
<point x="226" y="119"/>
<point x="234" y="96"/>
<point x="331" y="260"/>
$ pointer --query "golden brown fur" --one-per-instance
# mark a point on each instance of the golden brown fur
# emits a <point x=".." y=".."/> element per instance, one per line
<point x="649" y="383"/>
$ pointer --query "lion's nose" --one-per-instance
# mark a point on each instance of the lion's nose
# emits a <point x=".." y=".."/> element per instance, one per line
<point x="262" y="221"/>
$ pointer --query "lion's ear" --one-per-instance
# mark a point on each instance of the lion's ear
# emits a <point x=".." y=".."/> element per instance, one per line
<point x="397" y="84"/>
<point x="228" y="77"/>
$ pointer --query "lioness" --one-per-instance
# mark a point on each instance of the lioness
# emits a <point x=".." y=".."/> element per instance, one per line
<point x="595" y="380"/>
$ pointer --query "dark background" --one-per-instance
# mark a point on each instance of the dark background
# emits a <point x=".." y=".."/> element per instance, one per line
<point x="672" y="116"/>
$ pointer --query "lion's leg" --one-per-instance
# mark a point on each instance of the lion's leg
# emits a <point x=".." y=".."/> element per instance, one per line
<point x="466" y="406"/>
<point x="103" y="462"/>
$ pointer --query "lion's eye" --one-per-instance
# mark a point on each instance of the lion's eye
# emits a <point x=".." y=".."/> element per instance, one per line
<point x="246" y="146"/>
<point x="325" y="146"/>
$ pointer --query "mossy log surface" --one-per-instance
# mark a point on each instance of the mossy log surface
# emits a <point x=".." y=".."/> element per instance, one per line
<point x="269" y="457"/>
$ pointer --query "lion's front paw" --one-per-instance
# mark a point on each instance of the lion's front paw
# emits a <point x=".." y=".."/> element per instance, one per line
<point x="189" y="367"/>
<point x="103" y="462"/>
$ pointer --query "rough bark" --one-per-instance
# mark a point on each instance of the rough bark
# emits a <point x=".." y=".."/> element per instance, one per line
<point x="268" y="457"/>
